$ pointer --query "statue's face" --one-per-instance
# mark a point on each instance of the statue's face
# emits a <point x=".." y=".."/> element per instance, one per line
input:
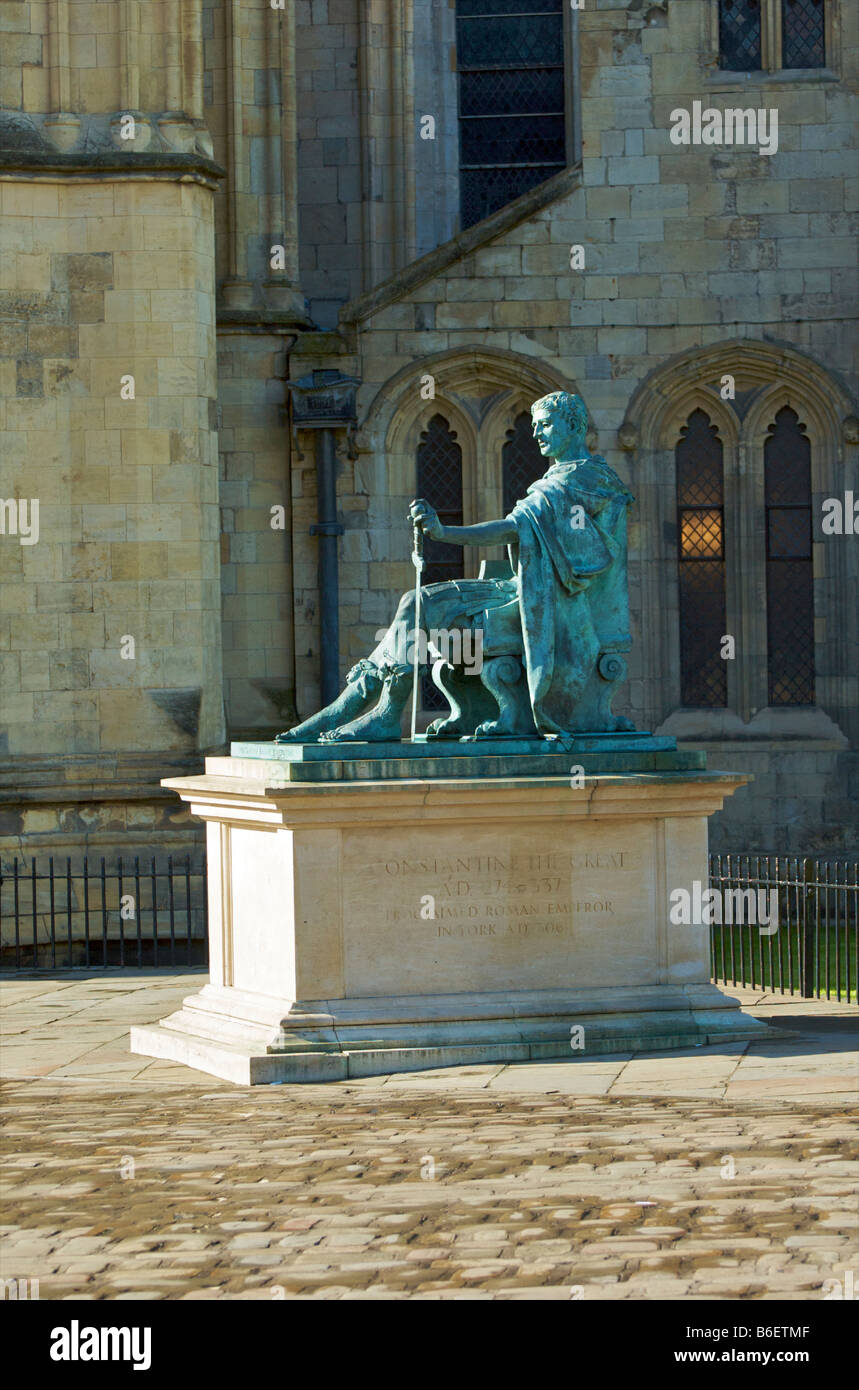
<point x="553" y="433"/>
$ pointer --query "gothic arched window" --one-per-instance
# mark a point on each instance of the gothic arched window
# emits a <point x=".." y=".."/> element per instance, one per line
<point x="701" y="562"/>
<point x="512" y="112"/>
<point x="521" y="461"/>
<point x="440" y="484"/>
<point x="790" y="588"/>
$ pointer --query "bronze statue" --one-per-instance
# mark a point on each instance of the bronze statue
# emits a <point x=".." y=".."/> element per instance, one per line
<point x="551" y="635"/>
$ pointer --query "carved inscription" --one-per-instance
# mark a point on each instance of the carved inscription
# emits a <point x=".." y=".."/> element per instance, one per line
<point x="531" y="896"/>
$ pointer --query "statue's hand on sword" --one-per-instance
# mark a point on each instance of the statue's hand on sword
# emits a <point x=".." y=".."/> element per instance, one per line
<point x="425" y="518"/>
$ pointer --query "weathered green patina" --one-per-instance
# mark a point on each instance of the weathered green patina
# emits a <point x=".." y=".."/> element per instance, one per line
<point x="549" y="639"/>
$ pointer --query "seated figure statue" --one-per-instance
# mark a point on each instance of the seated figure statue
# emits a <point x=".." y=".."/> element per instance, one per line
<point x="552" y="634"/>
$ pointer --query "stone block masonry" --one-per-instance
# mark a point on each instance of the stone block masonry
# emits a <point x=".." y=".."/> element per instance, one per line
<point x="313" y="116"/>
<point x="110" y="428"/>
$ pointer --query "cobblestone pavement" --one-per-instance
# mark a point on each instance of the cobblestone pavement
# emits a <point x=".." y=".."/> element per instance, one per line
<point x="719" y="1173"/>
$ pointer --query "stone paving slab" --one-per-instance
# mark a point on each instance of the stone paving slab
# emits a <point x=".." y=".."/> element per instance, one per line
<point x="723" y="1172"/>
<point x="68" y="1026"/>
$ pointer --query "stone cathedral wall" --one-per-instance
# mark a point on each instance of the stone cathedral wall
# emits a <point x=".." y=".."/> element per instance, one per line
<point x="685" y="249"/>
<point x="110" y="623"/>
<point x="256" y="128"/>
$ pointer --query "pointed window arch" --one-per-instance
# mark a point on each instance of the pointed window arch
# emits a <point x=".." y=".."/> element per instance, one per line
<point x="777" y="468"/>
<point x="790" y="577"/>
<point x="701" y="562"/>
<point x="521" y="461"/>
<point x="439" y="481"/>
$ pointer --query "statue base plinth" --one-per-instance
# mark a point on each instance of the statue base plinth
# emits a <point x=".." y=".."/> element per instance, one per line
<point x="243" y="1038"/>
<point x="358" y="928"/>
<point x="433" y="758"/>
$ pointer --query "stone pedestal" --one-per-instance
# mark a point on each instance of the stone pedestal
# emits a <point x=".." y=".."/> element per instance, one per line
<point x="360" y="927"/>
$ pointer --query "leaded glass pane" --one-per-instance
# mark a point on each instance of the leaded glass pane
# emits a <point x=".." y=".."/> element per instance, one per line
<point x="790" y="632"/>
<point x="512" y="126"/>
<point x="789" y="533"/>
<point x="523" y="92"/>
<point x="511" y="140"/>
<point x="440" y="483"/>
<point x="740" y="35"/>
<point x="790" y="572"/>
<point x="701" y="567"/>
<point x="701" y="535"/>
<point x="499" y="40"/>
<point x="703" y="673"/>
<point x="803" y="34"/>
<point x="486" y="8"/>
<point x="521" y="461"/>
<point x="484" y="191"/>
<point x="699" y="463"/>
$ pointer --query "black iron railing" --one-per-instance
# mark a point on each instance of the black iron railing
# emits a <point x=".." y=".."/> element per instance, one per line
<point x="803" y="936"/>
<point x="132" y="912"/>
<point x="777" y="922"/>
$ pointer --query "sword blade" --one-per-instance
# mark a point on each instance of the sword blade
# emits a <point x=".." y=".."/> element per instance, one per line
<point x="416" y="650"/>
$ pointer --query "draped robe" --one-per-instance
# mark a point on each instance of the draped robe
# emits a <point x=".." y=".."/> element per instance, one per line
<point x="558" y="554"/>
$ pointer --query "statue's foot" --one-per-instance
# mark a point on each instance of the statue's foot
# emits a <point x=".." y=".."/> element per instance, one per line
<point x="381" y="724"/>
<point x="491" y="728"/>
<point x="365" y="730"/>
<point x="447" y="728"/>
<point x="363" y="684"/>
<point x="299" y="733"/>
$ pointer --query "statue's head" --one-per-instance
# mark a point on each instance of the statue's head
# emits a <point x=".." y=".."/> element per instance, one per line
<point x="560" y="423"/>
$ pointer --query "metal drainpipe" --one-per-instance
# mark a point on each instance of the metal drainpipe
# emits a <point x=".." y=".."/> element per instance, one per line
<point x="327" y="530"/>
